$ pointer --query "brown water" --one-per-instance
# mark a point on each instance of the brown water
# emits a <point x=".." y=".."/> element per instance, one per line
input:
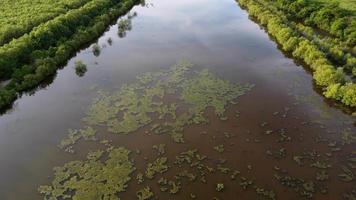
<point x="212" y="34"/>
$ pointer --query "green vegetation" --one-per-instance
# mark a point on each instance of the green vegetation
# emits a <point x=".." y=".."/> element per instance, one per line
<point x="102" y="176"/>
<point x="88" y="133"/>
<point x="295" y="25"/>
<point x="96" y="50"/>
<point x="32" y="57"/>
<point x="144" y="193"/>
<point x="80" y="68"/>
<point x="136" y="102"/>
<point x="125" y="25"/>
<point x="158" y="166"/>
<point x="20" y="17"/>
<point x="220" y="187"/>
<point x="344" y="4"/>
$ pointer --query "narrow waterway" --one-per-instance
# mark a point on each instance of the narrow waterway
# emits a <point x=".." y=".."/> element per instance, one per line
<point x="211" y="34"/>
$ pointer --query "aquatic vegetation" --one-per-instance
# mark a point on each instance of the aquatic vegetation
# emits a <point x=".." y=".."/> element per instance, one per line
<point x="245" y="183"/>
<point x="234" y="174"/>
<point x="80" y="68"/>
<point x="123" y="26"/>
<point x="321" y="165"/>
<point x="322" y="175"/>
<point x="160" y="148"/>
<point x="140" y="179"/>
<point x="158" y="166"/>
<point x="350" y="195"/>
<point x="347" y="176"/>
<point x="101" y="175"/>
<point x="220" y="187"/>
<point x="101" y="110"/>
<point x="96" y="49"/>
<point x="88" y="133"/>
<point x="206" y="90"/>
<point x="220" y="148"/>
<point x="347" y="137"/>
<point x="131" y="107"/>
<point x="186" y="174"/>
<point x="267" y="194"/>
<point x="278" y="154"/>
<point x="144" y="193"/>
<point x="303" y="188"/>
<point x="175" y="187"/>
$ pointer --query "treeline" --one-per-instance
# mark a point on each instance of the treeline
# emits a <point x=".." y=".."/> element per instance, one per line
<point x="31" y="58"/>
<point x="21" y="16"/>
<point x="333" y="80"/>
<point x="328" y="17"/>
<point x="336" y="49"/>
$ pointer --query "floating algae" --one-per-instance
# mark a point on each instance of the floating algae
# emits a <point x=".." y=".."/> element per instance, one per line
<point x="206" y="90"/>
<point x="305" y="189"/>
<point x="347" y="176"/>
<point x="220" y="187"/>
<point x="350" y="195"/>
<point x="160" y="149"/>
<point x="101" y="176"/>
<point x="175" y="187"/>
<point x="144" y="104"/>
<point x="88" y="133"/>
<point x="133" y="105"/>
<point x="158" y="166"/>
<point x="347" y="137"/>
<point x="220" y="148"/>
<point x="266" y="194"/>
<point x="144" y="194"/>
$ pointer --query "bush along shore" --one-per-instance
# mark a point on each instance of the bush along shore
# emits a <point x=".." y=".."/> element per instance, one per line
<point x="306" y="44"/>
<point x="30" y="59"/>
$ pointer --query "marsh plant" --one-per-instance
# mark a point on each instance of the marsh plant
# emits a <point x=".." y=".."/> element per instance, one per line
<point x="96" y="50"/>
<point x="80" y="68"/>
<point x="125" y="25"/>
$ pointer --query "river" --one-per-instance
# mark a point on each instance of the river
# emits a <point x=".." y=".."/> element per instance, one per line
<point x="211" y="34"/>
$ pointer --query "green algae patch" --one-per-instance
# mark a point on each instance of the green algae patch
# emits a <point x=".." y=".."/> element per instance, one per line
<point x="88" y="133"/>
<point x="144" y="102"/>
<point x="207" y="90"/>
<point x="145" y="193"/>
<point x="158" y="166"/>
<point x="220" y="187"/>
<point x="150" y="103"/>
<point x="101" y="176"/>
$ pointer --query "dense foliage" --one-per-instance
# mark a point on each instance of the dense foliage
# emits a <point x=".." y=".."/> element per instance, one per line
<point x="333" y="80"/>
<point x="19" y="17"/>
<point x="31" y="58"/>
<point x="328" y="17"/>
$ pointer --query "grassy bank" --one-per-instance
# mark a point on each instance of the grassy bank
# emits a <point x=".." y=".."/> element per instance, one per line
<point x="31" y="58"/>
<point x="329" y="55"/>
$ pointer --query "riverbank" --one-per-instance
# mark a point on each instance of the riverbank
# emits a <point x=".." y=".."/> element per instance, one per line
<point x="335" y="81"/>
<point x="30" y="59"/>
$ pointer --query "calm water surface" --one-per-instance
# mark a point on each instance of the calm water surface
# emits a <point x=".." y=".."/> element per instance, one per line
<point x="212" y="34"/>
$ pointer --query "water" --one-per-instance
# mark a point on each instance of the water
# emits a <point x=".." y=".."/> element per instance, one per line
<point x="211" y="34"/>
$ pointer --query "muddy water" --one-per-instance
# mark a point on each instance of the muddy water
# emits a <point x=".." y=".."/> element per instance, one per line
<point x="211" y="34"/>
